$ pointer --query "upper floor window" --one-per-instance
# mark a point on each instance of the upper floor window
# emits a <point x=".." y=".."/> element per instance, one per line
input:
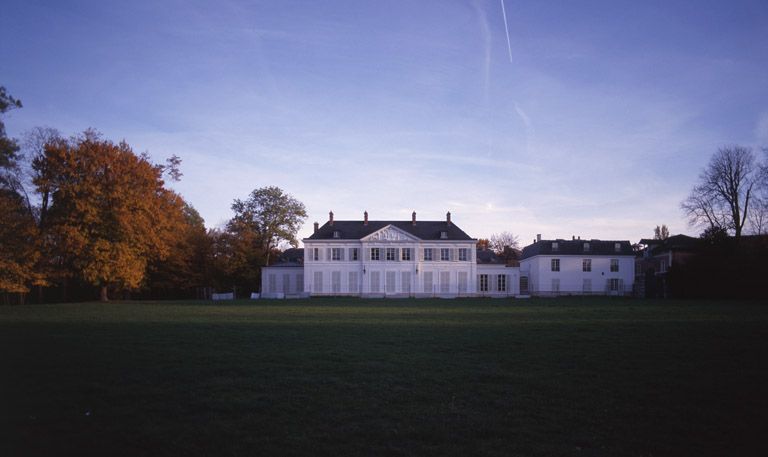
<point x="555" y="264"/>
<point x="336" y="254"/>
<point x="586" y="265"/>
<point x="555" y="246"/>
<point x="617" y="247"/>
<point x="463" y="254"/>
<point x="428" y="254"/>
<point x="445" y="254"/>
<point x="315" y="254"/>
<point x="353" y="254"/>
<point x="443" y="235"/>
<point x="390" y="253"/>
<point x="406" y="254"/>
<point x="375" y="254"/>
<point x="586" y="247"/>
<point x="336" y="234"/>
<point x="614" y="265"/>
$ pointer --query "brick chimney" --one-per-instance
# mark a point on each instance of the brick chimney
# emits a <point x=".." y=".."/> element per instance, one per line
<point x="365" y="218"/>
<point x="317" y="227"/>
<point x="538" y="237"/>
<point x="330" y="218"/>
<point x="413" y="218"/>
<point x="448" y="218"/>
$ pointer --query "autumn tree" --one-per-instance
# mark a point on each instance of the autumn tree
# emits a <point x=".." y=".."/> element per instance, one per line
<point x="724" y="195"/>
<point x="661" y="232"/>
<point x="110" y="213"/>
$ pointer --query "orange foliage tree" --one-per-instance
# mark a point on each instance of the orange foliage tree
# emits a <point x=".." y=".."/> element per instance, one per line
<point x="110" y="213"/>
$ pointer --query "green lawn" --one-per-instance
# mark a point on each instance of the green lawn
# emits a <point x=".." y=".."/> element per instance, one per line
<point x="605" y="377"/>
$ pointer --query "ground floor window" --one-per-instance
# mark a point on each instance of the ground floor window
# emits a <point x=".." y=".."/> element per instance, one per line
<point x="524" y="285"/>
<point x="375" y="281"/>
<point x="615" y="284"/>
<point x="391" y="282"/>
<point x="445" y="283"/>
<point x="428" y="282"/>
<point x="336" y="282"/>
<point x="483" y="283"/>
<point x="502" y="283"/>
<point x="286" y="283"/>
<point x="463" y="282"/>
<point x="318" y="283"/>
<point x="556" y="285"/>
<point x="405" y="282"/>
<point x="352" y="282"/>
<point x="586" y="286"/>
<point x="300" y="283"/>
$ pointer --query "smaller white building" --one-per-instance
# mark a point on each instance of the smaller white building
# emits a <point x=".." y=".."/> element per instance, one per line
<point x="286" y="277"/>
<point x="577" y="267"/>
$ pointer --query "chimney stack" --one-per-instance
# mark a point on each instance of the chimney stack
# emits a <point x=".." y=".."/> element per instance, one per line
<point x="573" y="237"/>
<point x="448" y="218"/>
<point x="317" y="226"/>
<point x="413" y="218"/>
<point x="538" y="237"/>
<point x="330" y="217"/>
<point x="365" y="218"/>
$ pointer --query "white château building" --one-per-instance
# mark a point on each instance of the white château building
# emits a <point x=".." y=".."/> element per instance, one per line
<point x="391" y="259"/>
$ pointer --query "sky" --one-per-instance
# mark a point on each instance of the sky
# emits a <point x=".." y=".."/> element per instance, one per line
<point x="589" y="118"/>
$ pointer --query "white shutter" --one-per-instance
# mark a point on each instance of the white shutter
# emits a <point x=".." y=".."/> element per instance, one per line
<point x="367" y="253"/>
<point x="421" y="254"/>
<point x="341" y="253"/>
<point x="397" y="254"/>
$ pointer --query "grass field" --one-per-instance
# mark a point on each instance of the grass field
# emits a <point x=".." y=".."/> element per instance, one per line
<point x="607" y="377"/>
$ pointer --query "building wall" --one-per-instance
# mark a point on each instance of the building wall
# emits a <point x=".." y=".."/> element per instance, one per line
<point x="282" y="280"/>
<point x="418" y="277"/>
<point x="491" y="288"/>
<point x="570" y="280"/>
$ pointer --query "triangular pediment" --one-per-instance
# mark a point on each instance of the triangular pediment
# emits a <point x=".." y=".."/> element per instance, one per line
<point x="390" y="233"/>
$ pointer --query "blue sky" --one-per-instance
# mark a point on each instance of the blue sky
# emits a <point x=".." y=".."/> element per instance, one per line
<point x="594" y="121"/>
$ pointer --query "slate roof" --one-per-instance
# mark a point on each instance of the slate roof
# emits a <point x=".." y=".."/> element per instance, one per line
<point x="424" y="230"/>
<point x="486" y="256"/>
<point x="293" y="257"/>
<point x="576" y="247"/>
<point x="673" y="243"/>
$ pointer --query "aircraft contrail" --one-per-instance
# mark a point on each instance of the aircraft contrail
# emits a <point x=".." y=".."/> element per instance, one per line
<point x="506" y="29"/>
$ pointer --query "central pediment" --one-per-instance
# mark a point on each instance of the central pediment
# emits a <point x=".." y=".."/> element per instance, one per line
<point x="390" y="233"/>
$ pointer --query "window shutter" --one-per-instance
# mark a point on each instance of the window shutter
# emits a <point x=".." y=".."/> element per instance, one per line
<point x="455" y="254"/>
<point x="341" y="253"/>
<point x="367" y="253"/>
<point x="421" y="254"/>
<point x="397" y="254"/>
<point x="328" y="254"/>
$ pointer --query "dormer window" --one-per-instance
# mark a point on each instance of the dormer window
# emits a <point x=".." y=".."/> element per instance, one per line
<point x="443" y="235"/>
<point x="555" y="246"/>
<point x="586" y="247"/>
<point x="617" y="247"/>
<point x="336" y="234"/>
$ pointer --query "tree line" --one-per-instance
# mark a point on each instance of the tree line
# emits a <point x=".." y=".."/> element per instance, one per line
<point x="85" y="217"/>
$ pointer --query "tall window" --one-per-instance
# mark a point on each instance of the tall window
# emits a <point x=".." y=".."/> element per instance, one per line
<point x="555" y="264"/>
<point x="463" y="254"/>
<point x="352" y="283"/>
<point x="428" y="254"/>
<point x="375" y="254"/>
<point x="463" y="281"/>
<point x="556" y="285"/>
<point x="336" y="282"/>
<point x="353" y="254"/>
<point x="615" y="283"/>
<point x="336" y="254"/>
<point x="445" y="254"/>
<point x="315" y="254"/>
<point x="483" y="283"/>
<point x="614" y="265"/>
<point x="318" y="283"/>
<point x="390" y="253"/>
<point x="428" y="282"/>
<point x="586" y="286"/>
<point x="586" y="265"/>
<point x="406" y="254"/>
<point x="445" y="281"/>
<point x="375" y="281"/>
<point x="502" y="283"/>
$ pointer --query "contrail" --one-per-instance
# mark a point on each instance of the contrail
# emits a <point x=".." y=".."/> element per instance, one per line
<point x="506" y="29"/>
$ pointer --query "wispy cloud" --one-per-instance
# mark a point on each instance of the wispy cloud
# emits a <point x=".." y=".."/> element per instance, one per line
<point x="506" y="30"/>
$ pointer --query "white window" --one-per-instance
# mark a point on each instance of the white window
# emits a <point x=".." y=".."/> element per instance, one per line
<point x="586" y="265"/>
<point x="463" y="254"/>
<point x="352" y="286"/>
<point x="406" y="254"/>
<point x="428" y="254"/>
<point x="445" y="281"/>
<point x="337" y="254"/>
<point x="445" y="254"/>
<point x="586" y="247"/>
<point x="353" y="254"/>
<point x="483" y="283"/>
<point x="615" y="283"/>
<point x="555" y="246"/>
<point x="556" y="285"/>
<point x="501" y="282"/>
<point x="617" y="247"/>
<point x="336" y="234"/>
<point x="318" y="286"/>
<point x="391" y="282"/>
<point x="463" y="280"/>
<point x="586" y="286"/>
<point x="555" y="264"/>
<point x="428" y="282"/>
<point x="315" y="254"/>
<point x="391" y="254"/>
<point x="405" y="282"/>
<point x="336" y="282"/>
<point x="443" y="235"/>
<point x="375" y="281"/>
<point x="375" y="254"/>
<point x="614" y="265"/>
